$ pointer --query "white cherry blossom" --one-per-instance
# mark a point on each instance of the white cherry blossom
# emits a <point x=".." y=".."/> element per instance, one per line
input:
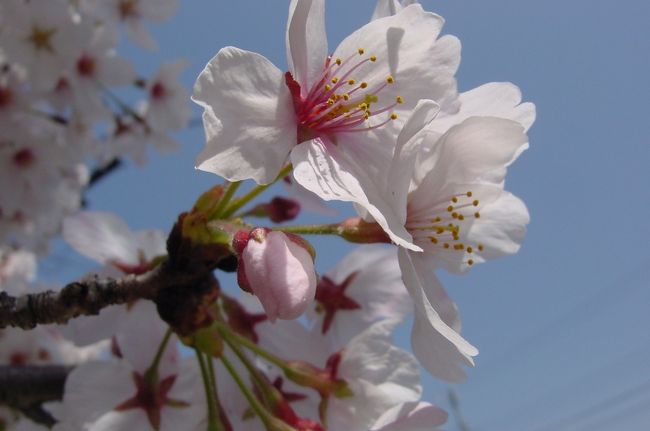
<point x="346" y="107"/>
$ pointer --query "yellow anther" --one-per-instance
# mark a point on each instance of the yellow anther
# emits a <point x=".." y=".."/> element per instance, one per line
<point x="351" y="81"/>
<point x="450" y="208"/>
<point x="437" y="220"/>
<point x="363" y="85"/>
<point x="446" y="245"/>
<point x="469" y="194"/>
<point x="477" y="214"/>
<point x="361" y="51"/>
<point x="328" y="87"/>
<point x="390" y="79"/>
<point x="366" y="115"/>
<point x="454" y="215"/>
<point x="330" y="102"/>
<point x="400" y="99"/>
<point x="475" y="203"/>
<point x="338" y="61"/>
<point x="470" y="262"/>
<point x="440" y="231"/>
<point x="373" y="58"/>
<point x="470" y="249"/>
<point x="454" y="199"/>
<point x="346" y="96"/>
<point x="434" y="240"/>
<point x="480" y="247"/>
<point x="335" y="80"/>
<point x="461" y="217"/>
<point x="362" y="106"/>
<point x="393" y="116"/>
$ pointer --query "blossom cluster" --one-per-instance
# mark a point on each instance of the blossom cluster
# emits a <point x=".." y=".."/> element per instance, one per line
<point x="61" y="110"/>
<point x="377" y="122"/>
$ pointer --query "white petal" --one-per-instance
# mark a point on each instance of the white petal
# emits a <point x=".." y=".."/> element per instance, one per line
<point x="477" y="150"/>
<point x="139" y="34"/>
<point x="135" y="419"/>
<point x="87" y="330"/>
<point x="380" y="375"/>
<point x="306" y="41"/>
<point x="328" y="171"/>
<point x="386" y="8"/>
<point x="495" y="99"/>
<point x="101" y="236"/>
<point x="411" y="417"/>
<point x="406" y="48"/>
<point x="438" y="347"/>
<point x="152" y="243"/>
<point x="502" y="226"/>
<point x="95" y="388"/>
<point x="249" y="117"/>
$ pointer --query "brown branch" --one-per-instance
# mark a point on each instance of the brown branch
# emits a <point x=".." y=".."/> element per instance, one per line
<point x="25" y="388"/>
<point x="85" y="297"/>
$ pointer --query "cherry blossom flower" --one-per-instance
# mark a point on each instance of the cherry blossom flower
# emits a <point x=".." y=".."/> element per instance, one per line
<point x="130" y="397"/>
<point x="347" y="107"/>
<point x="167" y="107"/>
<point x="132" y="13"/>
<point x="411" y="417"/>
<point x="42" y="37"/>
<point x="378" y="374"/>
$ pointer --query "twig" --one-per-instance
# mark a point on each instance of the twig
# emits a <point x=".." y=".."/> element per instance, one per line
<point x="85" y="297"/>
<point x="25" y="388"/>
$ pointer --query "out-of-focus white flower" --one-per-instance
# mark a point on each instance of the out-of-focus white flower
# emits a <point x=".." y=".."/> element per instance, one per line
<point x="17" y="270"/>
<point x="40" y="183"/>
<point x="167" y="107"/>
<point x="107" y="239"/>
<point x="378" y="375"/>
<point x="42" y="36"/>
<point x="334" y="116"/>
<point x="278" y="270"/>
<point x="366" y="286"/>
<point x="132" y="13"/>
<point x="130" y="398"/>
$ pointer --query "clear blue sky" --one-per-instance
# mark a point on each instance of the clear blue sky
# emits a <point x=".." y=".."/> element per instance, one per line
<point x="563" y="326"/>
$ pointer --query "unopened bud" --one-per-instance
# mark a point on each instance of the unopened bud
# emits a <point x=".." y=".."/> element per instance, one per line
<point x="278" y="210"/>
<point x="278" y="269"/>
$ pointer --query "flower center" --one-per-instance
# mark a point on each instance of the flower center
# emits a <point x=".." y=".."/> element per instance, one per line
<point x="41" y="38"/>
<point x="24" y="158"/>
<point x="6" y="97"/>
<point x="338" y="102"/>
<point x="86" y="66"/>
<point x="444" y="230"/>
<point x="128" y="9"/>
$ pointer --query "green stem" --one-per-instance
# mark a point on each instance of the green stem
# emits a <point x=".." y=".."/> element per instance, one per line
<point x="225" y="200"/>
<point x="215" y="393"/>
<point x="213" y="423"/>
<point x="151" y="375"/>
<point x="252" y="370"/>
<point x="253" y="193"/>
<point x="311" y="229"/>
<point x="225" y="330"/>
<point x="270" y="423"/>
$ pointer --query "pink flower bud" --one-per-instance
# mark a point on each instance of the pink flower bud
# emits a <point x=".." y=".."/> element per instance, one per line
<point x="280" y="272"/>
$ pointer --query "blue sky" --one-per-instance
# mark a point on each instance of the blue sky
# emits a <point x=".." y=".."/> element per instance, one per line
<point x="562" y="326"/>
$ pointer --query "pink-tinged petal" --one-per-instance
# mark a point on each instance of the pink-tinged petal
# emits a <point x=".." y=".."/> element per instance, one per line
<point x="495" y="99"/>
<point x="438" y="347"/>
<point x="329" y="171"/>
<point x="249" y="118"/>
<point x="306" y="41"/>
<point x="152" y="243"/>
<point x="411" y="417"/>
<point x="281" y="274"/>
<point x="101" y="236"/>
<point x="139" y="34"/>
<point x="405" y="47"/>
<point x="94" y="388"/>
